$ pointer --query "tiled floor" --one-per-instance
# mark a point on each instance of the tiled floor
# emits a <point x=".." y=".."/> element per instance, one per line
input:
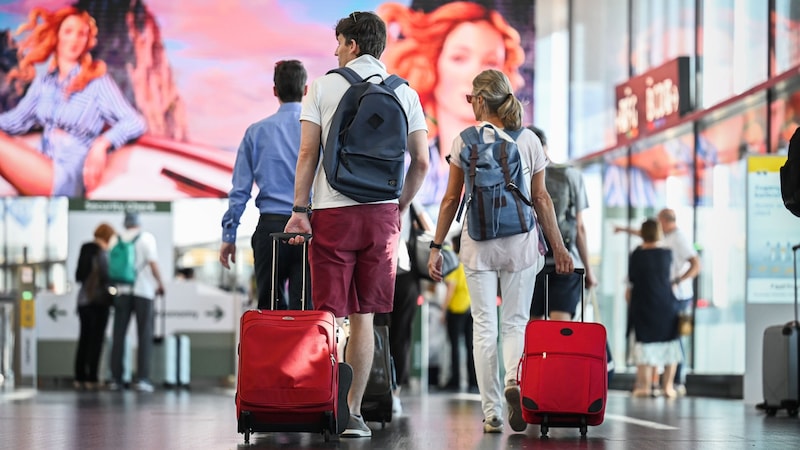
<point x="204" y="419"/>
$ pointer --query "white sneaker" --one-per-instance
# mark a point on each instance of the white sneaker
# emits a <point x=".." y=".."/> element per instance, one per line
<point x="397" y="408"/>
<point x="144" y="386"/>
<point x="493" y="425"/>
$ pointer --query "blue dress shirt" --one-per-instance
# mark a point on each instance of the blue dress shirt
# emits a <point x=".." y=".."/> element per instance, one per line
<point x="268" y="157"/>
<point x="71" y="124"/>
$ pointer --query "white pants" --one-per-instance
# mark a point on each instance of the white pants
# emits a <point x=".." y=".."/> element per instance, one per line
<point x="517" y="291"/>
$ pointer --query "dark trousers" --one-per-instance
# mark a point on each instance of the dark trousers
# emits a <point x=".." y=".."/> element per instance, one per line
<point x="124" y="306"/>
<point x="458" y="325"/>
<point x="289" y="270"/>
<point x="93" y="319"/>
<point x="401" y="322"/>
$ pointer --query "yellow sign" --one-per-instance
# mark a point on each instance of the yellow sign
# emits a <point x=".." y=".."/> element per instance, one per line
<point x="27" y="314"/>
<point x="765" y="163"/>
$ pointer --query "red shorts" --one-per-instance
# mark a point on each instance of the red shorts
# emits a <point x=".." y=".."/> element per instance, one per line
<point x="353" y="258"/>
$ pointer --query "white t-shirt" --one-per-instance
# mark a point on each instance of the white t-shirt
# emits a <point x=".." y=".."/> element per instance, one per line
<point x="146" y="252"/>
<point x="320" y="104"/>
<point x="510" y="253"/>
<point x="682" y="252"/>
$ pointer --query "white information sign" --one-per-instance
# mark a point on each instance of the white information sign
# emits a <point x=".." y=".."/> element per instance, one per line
<point x="772" y="231"/>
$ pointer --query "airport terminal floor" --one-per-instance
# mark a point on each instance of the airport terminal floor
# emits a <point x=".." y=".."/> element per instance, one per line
<point x="204" y="419"/>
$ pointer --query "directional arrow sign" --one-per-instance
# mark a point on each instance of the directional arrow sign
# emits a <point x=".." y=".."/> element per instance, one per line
<point x="54" y="312"/>
<point x="217" y="313"/>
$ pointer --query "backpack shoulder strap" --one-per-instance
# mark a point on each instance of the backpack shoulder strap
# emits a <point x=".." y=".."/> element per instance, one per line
<point x="349" y="74"/>
<point x="510" y="185"/>
<point x="470" y="136"/>
<point x="394" y="82"/>
<point x="514" y="133"/>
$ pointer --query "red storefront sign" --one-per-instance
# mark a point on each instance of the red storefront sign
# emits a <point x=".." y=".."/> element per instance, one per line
<point x="654" y="100"/>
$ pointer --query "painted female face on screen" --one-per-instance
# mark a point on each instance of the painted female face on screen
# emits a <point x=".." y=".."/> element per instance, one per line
<point x="470" y="48"/>
<point x="73" y="35"/>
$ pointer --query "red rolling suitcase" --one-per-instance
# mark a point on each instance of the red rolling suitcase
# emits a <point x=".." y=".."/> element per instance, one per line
<point x="289" y="378"/>
<point x="562" y="374"/>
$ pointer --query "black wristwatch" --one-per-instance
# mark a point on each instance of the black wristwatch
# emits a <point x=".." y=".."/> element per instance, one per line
<point x="435" y="245"/>
<point x="301" y="209"/>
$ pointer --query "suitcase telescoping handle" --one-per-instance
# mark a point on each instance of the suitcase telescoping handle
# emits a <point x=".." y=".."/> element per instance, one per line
<point x="794" y="253"/>
<point x="549" y="270"/>
<point x="276" y="237"/>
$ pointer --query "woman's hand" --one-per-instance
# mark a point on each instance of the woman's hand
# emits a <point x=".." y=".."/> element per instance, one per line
<point x="435" y="265"/>
<point x="95" y="163"/>
<point x="563" y="259"/>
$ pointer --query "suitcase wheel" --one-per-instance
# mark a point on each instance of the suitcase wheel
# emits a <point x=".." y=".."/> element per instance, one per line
<point x="584" y="428"/>
<point x="545" y="426"/>
<point x="772" y="411"/>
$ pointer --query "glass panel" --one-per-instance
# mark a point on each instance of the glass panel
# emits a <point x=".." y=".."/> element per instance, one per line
<point x="57" y="220"/>
<point x="552" y="74"/>
<point x="787" y="35"/>
<point x="722" y="146"/>
<point x="599" y="62"/>
<point x="662" y="30"/>
<point x="733" y="48"/>
<point x="58" y="279"/>
<point x="785" y="112"/>
<point x="657" y="174"/>
<point x="26" y="221"/>
<point x="197" y="241"/>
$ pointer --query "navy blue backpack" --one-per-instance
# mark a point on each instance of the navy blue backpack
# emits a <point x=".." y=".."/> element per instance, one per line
<point x="364" y="155"/>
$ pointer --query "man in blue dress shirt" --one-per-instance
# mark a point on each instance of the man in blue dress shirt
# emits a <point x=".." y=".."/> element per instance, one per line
<point x="268" y="157"/>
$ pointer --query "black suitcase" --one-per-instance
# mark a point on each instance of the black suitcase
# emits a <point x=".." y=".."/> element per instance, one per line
<point x="376" y="405"/>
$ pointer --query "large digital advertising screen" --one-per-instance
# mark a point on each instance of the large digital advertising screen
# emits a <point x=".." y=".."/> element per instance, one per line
<point x="165" y="89"/>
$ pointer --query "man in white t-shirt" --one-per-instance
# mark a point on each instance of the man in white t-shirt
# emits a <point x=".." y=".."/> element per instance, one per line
<point x="136" y="299"/>
<point x="353" y="251"/>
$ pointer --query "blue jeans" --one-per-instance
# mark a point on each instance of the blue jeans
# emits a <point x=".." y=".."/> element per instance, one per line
<point x="680" y="373"/>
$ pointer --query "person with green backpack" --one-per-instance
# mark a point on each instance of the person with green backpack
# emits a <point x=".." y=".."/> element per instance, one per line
<point x="133" y="268"/>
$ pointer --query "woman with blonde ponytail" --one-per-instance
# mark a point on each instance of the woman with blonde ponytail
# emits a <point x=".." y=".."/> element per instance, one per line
<point x="81" y="110"/>
<point x="513" y="261"/>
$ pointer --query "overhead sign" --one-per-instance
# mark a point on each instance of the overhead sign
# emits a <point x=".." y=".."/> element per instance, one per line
<point x="654" y="100"/>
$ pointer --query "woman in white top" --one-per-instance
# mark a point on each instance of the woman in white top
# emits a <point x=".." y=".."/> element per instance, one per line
<point x="514" y="260"/>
